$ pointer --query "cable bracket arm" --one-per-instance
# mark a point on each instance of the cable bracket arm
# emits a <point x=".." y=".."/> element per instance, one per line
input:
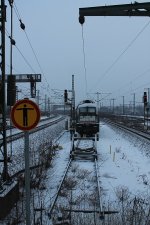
<point x="133" y="9"/>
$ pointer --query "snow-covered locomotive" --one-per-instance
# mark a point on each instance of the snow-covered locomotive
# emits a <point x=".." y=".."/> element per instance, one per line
<point x="87" y="119"/>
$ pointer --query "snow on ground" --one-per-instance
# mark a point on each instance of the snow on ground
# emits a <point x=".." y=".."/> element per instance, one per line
<point x="16" y="149"/>
<point x="122" y="162"/>
<point x="38" y="142"/>
<point x="59" y="164"/>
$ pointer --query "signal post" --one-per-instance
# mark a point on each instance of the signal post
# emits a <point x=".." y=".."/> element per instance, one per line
<point x="25" y="116"/>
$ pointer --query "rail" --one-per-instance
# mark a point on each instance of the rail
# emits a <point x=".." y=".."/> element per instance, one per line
<point x="82" y="160"/>
<point x="142" y="134"/>
<point x="16" y="136"/>
<point x="59" y="188"/>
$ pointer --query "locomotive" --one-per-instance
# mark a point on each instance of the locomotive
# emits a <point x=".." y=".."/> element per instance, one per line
<point x="87" y="119"/>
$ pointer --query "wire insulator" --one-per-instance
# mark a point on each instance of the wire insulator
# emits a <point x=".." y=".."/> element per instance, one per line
<point x="22" y="25"/>
<point x="81" y="20"/>
<point x="10" y="2"/>
<point x="13" y="42"/>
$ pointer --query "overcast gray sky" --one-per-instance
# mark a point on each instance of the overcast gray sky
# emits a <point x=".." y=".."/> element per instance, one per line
<point x="56" y="37"/>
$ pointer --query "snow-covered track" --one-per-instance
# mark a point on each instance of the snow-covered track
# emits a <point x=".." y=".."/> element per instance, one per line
<point x="16" y="136"/>
<point x="79" y="189"/>
<point x="142" y="134"/>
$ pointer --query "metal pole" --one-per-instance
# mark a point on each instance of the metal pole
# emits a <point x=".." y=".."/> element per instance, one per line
<point x="144" y="115"/>
<point x="11" y="37"/>
<point x="27" y="177"/>
<point x="11" y="54"/>
<point x="45" y="103"/>
<point x="123" y="106"/>
<point x="147" y="117"/>
<point x="98" y="104"/>
<point x="148" y="99"/>
<point x="41" y="214"/>
<point x="5" y="169"/>
<point x="148" y="107"/>
<point x="49" y="107"/>
<point x="110" y="105"/>
<point x="133" y="103"/>
<point x="97" y="93"/>
<point x="113" y="105"/>
<point x="73" y="103"/>
<point x="38" y="97"/>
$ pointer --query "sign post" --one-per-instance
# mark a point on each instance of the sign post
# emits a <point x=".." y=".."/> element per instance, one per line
<point x="25" y="116"/>
<point x="27" y="176"/>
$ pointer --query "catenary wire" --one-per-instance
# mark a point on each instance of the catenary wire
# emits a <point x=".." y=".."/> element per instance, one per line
<point x="134" y="89"/>
<point x="43" y="87"/>
<point x="84" y="62"/>
<point x="25" y="60"/>
<point x="12" y="68"/>
<point x="127" y="84"/>
<point x="7" y="34"/>
<point x="19" y="18"/>
<point x="122" y="53"/>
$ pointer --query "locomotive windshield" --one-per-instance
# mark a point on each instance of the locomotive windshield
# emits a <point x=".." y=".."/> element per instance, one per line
<point x="87" y="110"/>
<point x="87" y="114"/>
<point x="91" y="109"/>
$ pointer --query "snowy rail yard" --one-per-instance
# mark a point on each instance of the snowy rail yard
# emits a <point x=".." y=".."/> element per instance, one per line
<point x="124" y="176"/>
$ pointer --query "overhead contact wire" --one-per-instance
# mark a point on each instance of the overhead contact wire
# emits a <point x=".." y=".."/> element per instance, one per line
<point x="7" y="34"/>
<point x="84" y="62"/>
<point x="118" y="58"/>
<point x="25" y="60"/>
<point x="33" y="52"/>
<point x="19" y="18"/>
<point x="127" y="84"/>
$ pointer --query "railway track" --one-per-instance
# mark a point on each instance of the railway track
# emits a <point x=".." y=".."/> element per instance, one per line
<point x="79" y="194"/>
<point x="139" y="133"/>
<point x="16" y="136"/>
<point x="19" y="135"/>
